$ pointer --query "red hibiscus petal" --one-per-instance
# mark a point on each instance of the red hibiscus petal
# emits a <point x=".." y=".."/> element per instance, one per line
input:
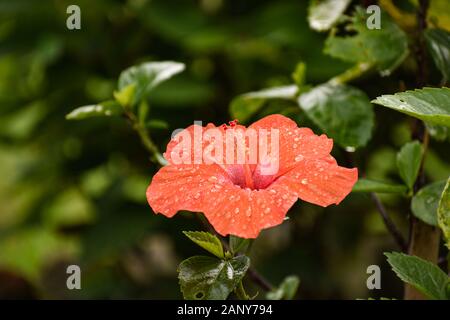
<point x="184" y="187"/>
<point x="229" y="208"/>
<point x="244" y="212"/>
<point x="321" y="181"/>
<point x="295" y="144"/>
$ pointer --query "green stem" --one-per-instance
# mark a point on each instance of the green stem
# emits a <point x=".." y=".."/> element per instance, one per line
<point x="240" y="292"/>
<point x="146" y="139"/>
<point x="351" y="74"/>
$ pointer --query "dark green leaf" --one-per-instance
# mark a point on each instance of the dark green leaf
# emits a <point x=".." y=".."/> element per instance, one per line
<point x="148" y="75"/>
<point x="207" y="241"/>
<point x="208" y="278"/>
<point x="105" y="109"/>
<point x="343" y="112"/>
<point x="425" y="202"/>
<point x="408" y="162"/>
<point x="366" y="185"/>
<point x="238" y="244"/>
<point x="323" y="14"/>
<point x="438" y="42"/>
<point x="427" y="104"/>
<point x="383" y="48"/>
<point x="423" y="275"/>
<point x="286" y="290"/>
<point x="444" y="213"/>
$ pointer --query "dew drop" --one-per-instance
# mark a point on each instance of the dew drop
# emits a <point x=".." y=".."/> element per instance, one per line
<point x="350" y="149"/>
<point x="304" y="181"/>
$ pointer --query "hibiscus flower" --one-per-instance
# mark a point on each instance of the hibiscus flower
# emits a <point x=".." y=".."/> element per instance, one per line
<point x="240" y="198"/>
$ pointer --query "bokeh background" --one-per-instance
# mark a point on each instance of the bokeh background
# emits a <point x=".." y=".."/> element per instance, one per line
<point x="74" y="192"/>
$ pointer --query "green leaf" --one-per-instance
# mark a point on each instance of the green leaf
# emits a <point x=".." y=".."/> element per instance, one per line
<point x="283" y="92"/>
<point x="427" y="104"/>
<point x="438" y="42"/>
<point x="444" y="213"/>
<point x="424" y="204"/>
<point x="287" y="289"/>
<point x="28" y="251"/>
<point x="367" y="185"/>
<point x="126" y="95"/>
<point x="408" y="162"/>
<point x="104" y="109"/>
<point x="157" y="124"/>
<point x="238" y="244"/>
<point x="423" y="275"/>
<point x="299" y="74"/>
<point x="246" y="105"/>
<point x="207" y="241"/>
<point x="59" y="215"/>
<point x="384" y="48"/>
<point x="209" y="278"/>
<point x="243" y="109"/>
<point x="148" y="75"/>
<point x="323" y="14"/>
<point x="439" y="133"/>
<point x="343" y="112"/>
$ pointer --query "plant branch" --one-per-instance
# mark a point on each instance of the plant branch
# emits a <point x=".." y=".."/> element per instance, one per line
<point x="350" y="74"/>
<point x="390" y="225"/>
<point x="259" y="280"/>
<point x="240" y="292"/>
<point x="399" y="239"/>
<point x="146" y="139"/>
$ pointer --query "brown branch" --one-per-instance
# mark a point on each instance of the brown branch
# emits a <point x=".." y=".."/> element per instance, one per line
<point x="399" y="239"/>
<point x="423" y="239"/>
<point x="259" y="280"/>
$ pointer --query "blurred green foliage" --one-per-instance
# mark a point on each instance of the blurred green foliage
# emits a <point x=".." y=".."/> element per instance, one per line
<point x="74" y="192"/>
